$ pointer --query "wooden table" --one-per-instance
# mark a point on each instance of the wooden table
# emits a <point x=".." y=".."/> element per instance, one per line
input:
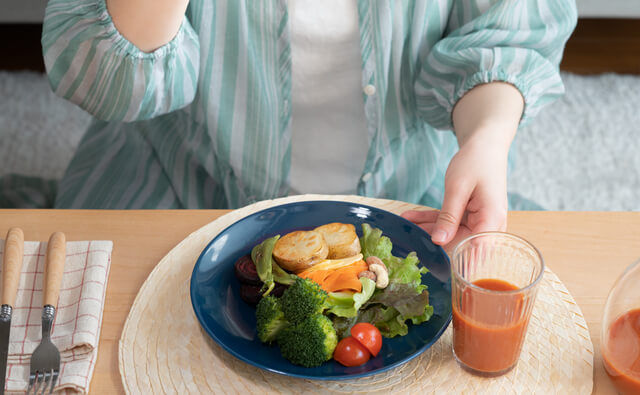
<point x="587" y="251"/>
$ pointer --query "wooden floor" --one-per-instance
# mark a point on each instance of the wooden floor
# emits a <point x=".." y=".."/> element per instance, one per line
<point x="596" y="46"/>
<point x="20" y="47"/>
<point x="604" y="45"/>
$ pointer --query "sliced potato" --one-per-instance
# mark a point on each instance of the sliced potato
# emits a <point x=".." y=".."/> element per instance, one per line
<point x="342" y="239"/>
<point x="297" y="251"/>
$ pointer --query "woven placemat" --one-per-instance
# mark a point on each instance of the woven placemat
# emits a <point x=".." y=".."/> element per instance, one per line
<point x="164" y="350"/>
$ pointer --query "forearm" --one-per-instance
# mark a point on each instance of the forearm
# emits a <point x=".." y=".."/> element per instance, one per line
<point x="489" y="113"/>
<point x="147" y="24"/>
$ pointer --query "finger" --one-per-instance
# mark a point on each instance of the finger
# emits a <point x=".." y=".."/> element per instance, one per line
<point x="427" y="227"/>
<point x="455" y="201"/>
<point x="488" y="226"/>
<point x="463" y="233"/>
<point x="489" y="219"/>
<point x="420" y="216"/>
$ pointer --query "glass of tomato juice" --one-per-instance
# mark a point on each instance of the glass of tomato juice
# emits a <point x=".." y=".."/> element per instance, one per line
<point x="495" y="278"/>
<point x="620" y="334"/>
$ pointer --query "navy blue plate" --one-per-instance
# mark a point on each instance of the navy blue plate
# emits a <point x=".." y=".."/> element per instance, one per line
<point x="215" y="292"/>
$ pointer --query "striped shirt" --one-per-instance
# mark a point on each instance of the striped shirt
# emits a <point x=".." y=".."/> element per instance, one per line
<point x="205" y="121"/>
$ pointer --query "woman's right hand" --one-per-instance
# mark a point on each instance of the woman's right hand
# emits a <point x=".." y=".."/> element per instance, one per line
<point x="475" y="197"/>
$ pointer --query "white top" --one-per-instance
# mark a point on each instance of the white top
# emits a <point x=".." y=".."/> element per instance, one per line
<point x="329" y="129"/>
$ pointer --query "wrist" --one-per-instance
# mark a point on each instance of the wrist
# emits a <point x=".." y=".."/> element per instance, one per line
<point x="489" y="112"/>
<point x="147" y="24"/>
<point x="492" y="137"/>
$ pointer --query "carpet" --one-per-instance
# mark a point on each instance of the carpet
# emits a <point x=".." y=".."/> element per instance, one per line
<point x="580" y="153"/>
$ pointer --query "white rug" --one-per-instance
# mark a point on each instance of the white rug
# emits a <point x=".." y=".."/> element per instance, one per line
<point x="38" y="130"/>
<point x="581" y="153"/>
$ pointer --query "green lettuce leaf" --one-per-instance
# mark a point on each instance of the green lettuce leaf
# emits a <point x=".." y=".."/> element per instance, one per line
<point x="400" y="270"/>
<point x="386" y="319"/>
<point x="404" y="299"/>
<point x="343" y="325"/>
<point x="280" y="275"/>
<point x="373" y="243"/>
<point x="390" y="310"/>
<point x="268" y="270"/>
<point x="347" y="304"/>
<point x="261" y="255"/>
<point x="406" y="271"/>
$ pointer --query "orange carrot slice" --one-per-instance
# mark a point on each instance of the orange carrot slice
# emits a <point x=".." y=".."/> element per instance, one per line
<point x="341" y="279"/>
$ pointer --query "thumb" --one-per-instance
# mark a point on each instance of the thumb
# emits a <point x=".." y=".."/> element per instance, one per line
<point x="448" y="221"/>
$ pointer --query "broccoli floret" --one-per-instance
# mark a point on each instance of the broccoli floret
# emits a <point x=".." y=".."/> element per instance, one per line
<point x="310" y="342"/>
<point x="303" y="299"/>
<point x="269" y="318"/>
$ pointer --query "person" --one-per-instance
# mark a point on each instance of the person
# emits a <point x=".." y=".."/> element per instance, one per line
<point x="218" y="104"/>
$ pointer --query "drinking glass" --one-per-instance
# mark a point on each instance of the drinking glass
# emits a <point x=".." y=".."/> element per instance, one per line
<point x="495" y="278"/>
<point x="620" y="334"/>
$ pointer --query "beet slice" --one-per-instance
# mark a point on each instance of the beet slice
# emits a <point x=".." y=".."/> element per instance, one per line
<point x="250" y="293"/>
<point x="278" y="290"/>
<point x="246" y="271"/>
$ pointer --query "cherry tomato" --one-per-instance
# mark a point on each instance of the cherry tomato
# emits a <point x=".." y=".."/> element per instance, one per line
<point x="369" y="336"/>
<point x="350" y="352"/>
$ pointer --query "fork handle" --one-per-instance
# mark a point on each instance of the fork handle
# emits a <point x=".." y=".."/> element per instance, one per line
<point x="12" y="265"/>
<point x="56" y="255"/>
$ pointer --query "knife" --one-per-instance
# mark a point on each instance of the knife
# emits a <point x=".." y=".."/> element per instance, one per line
<point x="11" y="269"/>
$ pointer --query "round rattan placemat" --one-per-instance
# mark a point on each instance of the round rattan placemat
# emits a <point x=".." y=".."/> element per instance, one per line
<point x="164" y="350"/>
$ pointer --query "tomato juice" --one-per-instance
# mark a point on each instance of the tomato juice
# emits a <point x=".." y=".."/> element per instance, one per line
<point x="489" y="327"/>
<point x="621" y="353"/>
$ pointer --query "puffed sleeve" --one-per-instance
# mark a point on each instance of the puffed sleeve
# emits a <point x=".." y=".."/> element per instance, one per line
<point x="89" y="63"/>
<point x="519" y="42"/>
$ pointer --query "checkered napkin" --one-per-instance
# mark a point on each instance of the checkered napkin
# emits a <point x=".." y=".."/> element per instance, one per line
<point x="76" y="329"/>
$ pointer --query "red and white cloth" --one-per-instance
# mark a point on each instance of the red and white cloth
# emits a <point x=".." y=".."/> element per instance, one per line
<point x="76" y="329"/>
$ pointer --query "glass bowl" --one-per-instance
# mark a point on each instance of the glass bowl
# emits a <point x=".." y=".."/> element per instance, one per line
<point x="620" y="334"/>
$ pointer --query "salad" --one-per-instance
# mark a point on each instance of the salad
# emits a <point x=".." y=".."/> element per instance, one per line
<point x="327" y="293"/>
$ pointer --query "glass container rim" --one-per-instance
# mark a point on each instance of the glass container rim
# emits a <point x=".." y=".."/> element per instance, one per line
<point x="627" y="270"/>
<point x="501" y="234"/>
<point x="622" y="277"/>
<point x="608" y="318"/>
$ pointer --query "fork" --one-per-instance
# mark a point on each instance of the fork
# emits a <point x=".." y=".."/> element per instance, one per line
<point x="45" y="361"/>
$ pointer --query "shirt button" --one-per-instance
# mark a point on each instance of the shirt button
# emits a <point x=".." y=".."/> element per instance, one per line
<point x="369" y="90"/>
<point x="366" y="177"/>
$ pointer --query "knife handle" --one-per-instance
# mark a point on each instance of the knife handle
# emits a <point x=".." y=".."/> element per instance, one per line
<point x="12" y="265"/>
<point x="56" y="255"/>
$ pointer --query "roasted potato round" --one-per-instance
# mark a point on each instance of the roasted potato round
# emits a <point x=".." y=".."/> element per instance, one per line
<point x="342" y="239"/>
<point x="297" y="251"/>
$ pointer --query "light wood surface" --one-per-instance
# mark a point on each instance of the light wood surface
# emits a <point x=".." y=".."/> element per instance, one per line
<point x="587" y="251"/>
<point x="56" y="255"/>
<point x="12" y="265"/>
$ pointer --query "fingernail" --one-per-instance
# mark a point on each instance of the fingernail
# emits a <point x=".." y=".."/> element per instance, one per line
<point x="439" y="236"/>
